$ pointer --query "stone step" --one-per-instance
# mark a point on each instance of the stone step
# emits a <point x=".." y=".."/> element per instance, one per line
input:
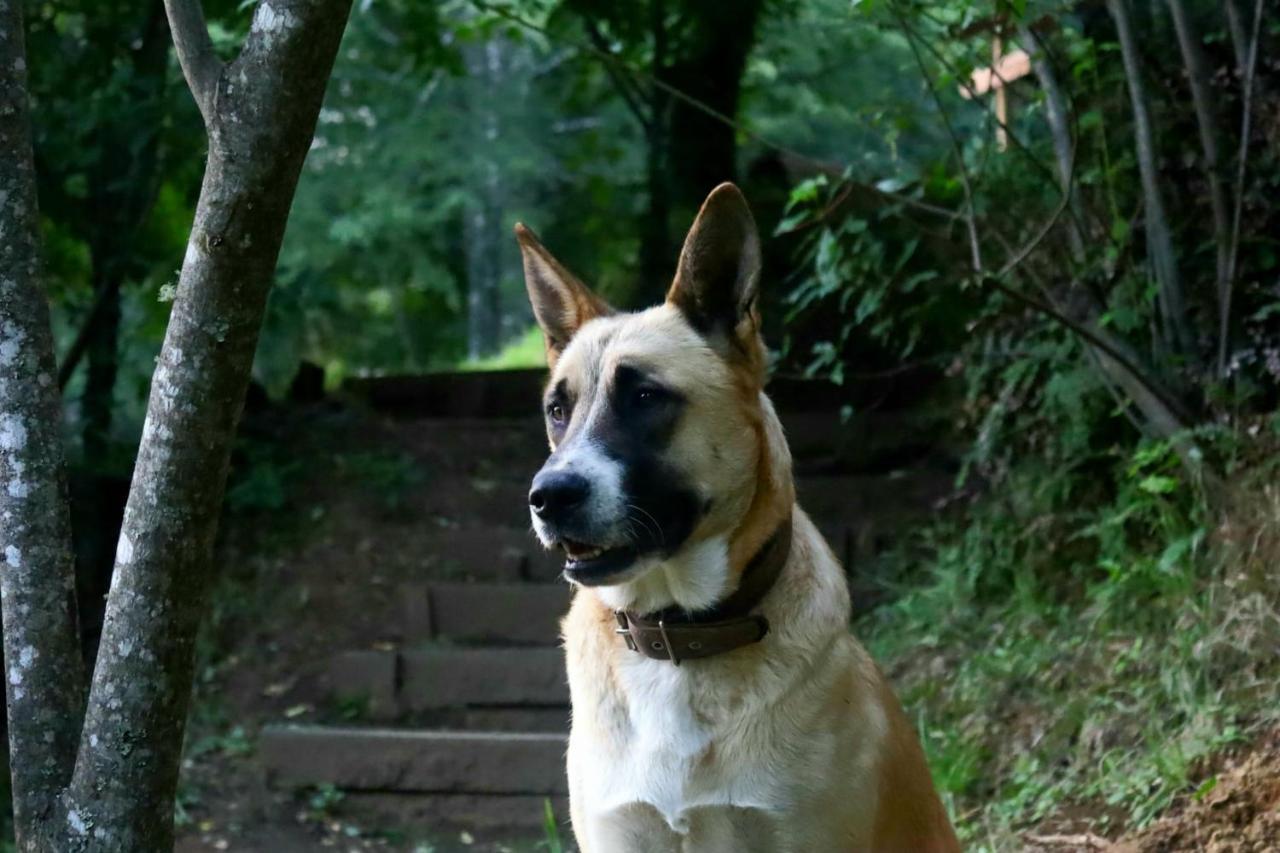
<point x="525" y="614"/>
<point x="405" y="760"/>
<point x="396" y="683"/>
<point x="487" y="818"/>
<point x="490" y="553"/>
<point x="477" y="501"/>
<point x="504" y="505"/>
<point x="448" y="678"/>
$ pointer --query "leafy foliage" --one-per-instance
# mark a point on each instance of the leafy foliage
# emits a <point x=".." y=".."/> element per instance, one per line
<point x="900" y="233"/>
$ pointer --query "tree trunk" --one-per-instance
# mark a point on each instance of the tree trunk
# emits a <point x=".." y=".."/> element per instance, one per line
<point x="691" y="148"/>
<point x="1198" y="74"/>
<point x="1060" y="132"/>
<point x="1159" y="419"/>
<point x="483" y="234"/>
<point x="702" y="147"/>
<point x="1239" y="36"/>
<point x="44" y="683"/>
<point x="1160" y="253"/>
<point x="260" y="113"/>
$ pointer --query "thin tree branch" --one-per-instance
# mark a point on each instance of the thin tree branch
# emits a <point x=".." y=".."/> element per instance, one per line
<point x="79" y="344"/>
<point x="620" y="82"/>
<point x="679" y="94"/>
<point x="1242" y="162"/>
<point x="1239" y="38"/>
<point x="1034" y="243"/>
<point x="200" y="65"/>
<point x="974" y="96"/>
<point x="1063" y="143"/>
<point x="971" y="217"/>
<point x="1092" y="337"/>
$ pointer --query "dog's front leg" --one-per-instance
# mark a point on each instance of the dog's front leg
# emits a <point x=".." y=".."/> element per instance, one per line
<point x="634" y="828"/>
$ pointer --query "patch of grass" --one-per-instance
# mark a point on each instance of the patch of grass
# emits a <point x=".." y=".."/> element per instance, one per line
<point x="528" y="350"/>
<point x="550" y="830"/>
<point x="1083" y="657"/>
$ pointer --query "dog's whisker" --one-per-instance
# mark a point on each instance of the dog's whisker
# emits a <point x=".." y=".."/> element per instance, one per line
<point x="662" y="537"/>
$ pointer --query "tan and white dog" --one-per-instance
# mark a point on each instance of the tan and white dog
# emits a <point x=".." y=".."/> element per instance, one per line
<point x="719" y="701"/>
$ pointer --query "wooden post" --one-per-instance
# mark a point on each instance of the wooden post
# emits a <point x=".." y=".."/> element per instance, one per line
<point x="1002" y="94"/>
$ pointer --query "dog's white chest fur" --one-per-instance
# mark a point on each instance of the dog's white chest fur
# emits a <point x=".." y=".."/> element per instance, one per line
<point x="668" y="756"/>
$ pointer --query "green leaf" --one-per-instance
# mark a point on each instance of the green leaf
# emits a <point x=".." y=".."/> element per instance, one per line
<point x="1156" y="484"/>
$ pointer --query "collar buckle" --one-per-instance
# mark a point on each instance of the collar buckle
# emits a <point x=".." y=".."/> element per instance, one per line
<point x="624" y="630"/>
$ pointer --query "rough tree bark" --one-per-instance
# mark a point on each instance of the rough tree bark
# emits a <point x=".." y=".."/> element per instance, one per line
<point x="260" y="113"/>
<point x="709" y="68"/>
<point x="44" y="682"/>
<point x="1160" y="253"/>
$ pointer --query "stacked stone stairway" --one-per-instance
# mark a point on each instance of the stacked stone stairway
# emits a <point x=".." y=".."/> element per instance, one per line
<point x="461" y="720"/>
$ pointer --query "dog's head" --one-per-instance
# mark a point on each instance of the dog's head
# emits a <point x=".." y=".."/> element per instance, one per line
<point x="657" y="422"/>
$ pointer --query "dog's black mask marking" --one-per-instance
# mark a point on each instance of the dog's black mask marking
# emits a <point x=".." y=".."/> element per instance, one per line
<point x="637" y="425"/>
<point x="641" y="421"/>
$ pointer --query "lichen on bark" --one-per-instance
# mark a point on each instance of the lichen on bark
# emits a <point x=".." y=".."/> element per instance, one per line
<point x="44" y="678"/>
<point x="109" y="784"/>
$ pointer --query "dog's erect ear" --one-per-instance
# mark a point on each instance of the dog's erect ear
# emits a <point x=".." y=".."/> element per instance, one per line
<point x="561" y="303"/>
<point x="715" y="284"/>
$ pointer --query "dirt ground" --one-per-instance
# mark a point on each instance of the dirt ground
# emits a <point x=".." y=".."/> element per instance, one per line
<point x="1236" y="810"/>
<point x="321" y="575"/>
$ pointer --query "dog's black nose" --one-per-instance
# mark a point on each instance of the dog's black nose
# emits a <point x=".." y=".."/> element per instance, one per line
<point x="556" y="492"/>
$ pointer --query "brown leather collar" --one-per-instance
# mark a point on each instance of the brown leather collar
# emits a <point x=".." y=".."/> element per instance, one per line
<point x="674" y="634"/>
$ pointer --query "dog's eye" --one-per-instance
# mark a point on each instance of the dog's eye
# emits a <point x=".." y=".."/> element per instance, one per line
<point x="556" y="412"/>
<point x="648" y="394"/>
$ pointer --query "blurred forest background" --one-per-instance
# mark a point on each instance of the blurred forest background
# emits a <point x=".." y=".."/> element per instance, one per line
<point x="1060" y="214"/>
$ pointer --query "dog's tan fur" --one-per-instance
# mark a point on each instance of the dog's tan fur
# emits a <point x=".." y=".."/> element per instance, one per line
<point x="796" y="743"/>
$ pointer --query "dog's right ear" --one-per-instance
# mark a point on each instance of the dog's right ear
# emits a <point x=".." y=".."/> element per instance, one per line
<point x="561" y="303"/>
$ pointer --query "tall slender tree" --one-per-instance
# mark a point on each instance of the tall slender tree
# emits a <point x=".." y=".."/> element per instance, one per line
<point x="115" y="791"/>
<point x="682" y="81"/>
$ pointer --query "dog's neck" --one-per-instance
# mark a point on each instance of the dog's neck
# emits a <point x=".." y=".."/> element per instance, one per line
<point x="706" y="572"/>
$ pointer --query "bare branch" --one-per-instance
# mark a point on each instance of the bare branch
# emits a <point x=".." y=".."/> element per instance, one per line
<point x="1242" y="162"/>
<point x="973" y="95"/>
<point x="1094" y="337"/>
<point x="971" y="217"/>
<point x="1063" y="144"/>
<point x="80" y="343"/>
<point x="625" y="88"/>
<point x="1239" y="38"/>
<point x="200" y="65"/>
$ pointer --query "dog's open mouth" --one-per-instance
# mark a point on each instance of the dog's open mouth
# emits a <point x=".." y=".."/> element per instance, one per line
<point x="592" y="565"/>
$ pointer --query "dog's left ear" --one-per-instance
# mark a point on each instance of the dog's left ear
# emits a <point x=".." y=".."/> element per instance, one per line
<point x="716" y="282"/>
<point x="561" y="303"/>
